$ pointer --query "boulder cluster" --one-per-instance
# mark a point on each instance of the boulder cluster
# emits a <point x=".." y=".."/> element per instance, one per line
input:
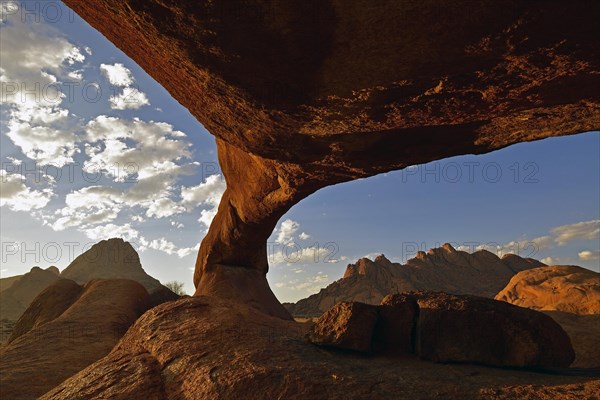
<point x="442" y="327"/>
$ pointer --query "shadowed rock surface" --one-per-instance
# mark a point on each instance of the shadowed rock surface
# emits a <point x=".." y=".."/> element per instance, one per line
<point x="584" y="331"/>
<point x="43" y="357"/>
<point x="194" y="349"/>
<point x="454" y="328"/>
<point x="304" y="96"/>
<point x="348" y="326"/>
<point x="48" y="305"/>
<point x="441" y="269"/>
<point x="447" y="328"/>
<point x="15" y="299"/>
<point x="565" y="288"/>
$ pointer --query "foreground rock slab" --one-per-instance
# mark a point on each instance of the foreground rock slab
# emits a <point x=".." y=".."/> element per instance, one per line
<point x="453" y="328"/>
<point x="443" y="327"/>
<point x="206" y="348"/>
<point x="347" y="326"/>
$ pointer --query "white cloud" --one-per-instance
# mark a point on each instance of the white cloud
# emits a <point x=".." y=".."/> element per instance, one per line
<point x="117" y="74"/>
<point x="206" y="194"/>
<point x="585" y="230"/>
<point x="103" y="232"/>
<point x="129" y="98"/>
<point x="304" y="236"/>
<point x="588" y="255"/>
<point x="17" y="196"/>
<point x="550" y="260"/>
<point x="43" y="144"/>
<point x="286" y="232"/>
<point x="146" y="149"/>
<point x="314" y="283"/>
<point x="163" y="207"/>
<point x="34" y="58"/>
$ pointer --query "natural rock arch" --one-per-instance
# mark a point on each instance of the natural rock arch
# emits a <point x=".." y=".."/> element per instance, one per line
<point x="302" y="95"/>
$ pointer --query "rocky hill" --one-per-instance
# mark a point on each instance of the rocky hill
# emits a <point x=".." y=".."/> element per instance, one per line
<point x="110" y="259"/>
<point x="17" y="296"/>
<point x="565" y="288"/>
<point x="65" y="329"/>
<point x="441" y="269"/>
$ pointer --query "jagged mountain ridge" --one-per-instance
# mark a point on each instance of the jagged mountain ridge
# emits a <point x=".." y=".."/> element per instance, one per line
<point x="446" y="269"/>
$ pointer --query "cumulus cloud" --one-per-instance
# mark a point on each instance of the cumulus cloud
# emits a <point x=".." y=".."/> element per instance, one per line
<point x="550" y="260"/>
<point x="43" y="144"/>
<point x="206" y="194"/>
<point x="34" y="59"/>
<point x="117" y="74"/>
<point x="145" y="149"/>
<point x="304" y="236"/>
<point x="588" y="255"/>
<point x="585" y="230"/>
<point x="286" y="232"/>
<point x="169" y="248"/>
<point x="17" y="196"/>
<point x="128" y="97"/>
<point x="103" y="232"/>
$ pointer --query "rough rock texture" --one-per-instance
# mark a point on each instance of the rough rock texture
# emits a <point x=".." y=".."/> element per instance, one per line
<point x="454" y="328"/>
<point x="441" y="269"/>
<point x="48" y="305"/>
<point x="348" y="326"/>
<point x="7" y="282"/>
<point x="162" y="295"/>
<point x="584" y="331"/>
<point x="395" y="332"/>
<point x="194" y="349"/>
<point x="53" y="351"/>
<point x="16" y="298"/>
<point x="110" y="259"/>
<point x="562" y="287"/>
<point x="302" y="97"/>
<point x="447" y="328"/>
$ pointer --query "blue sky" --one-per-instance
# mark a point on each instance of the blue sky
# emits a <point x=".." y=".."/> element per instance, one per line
<point x="145" y="169"/>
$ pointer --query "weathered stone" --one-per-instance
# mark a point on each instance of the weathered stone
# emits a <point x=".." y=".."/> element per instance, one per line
<point x="208" y="348"/>
<point x="565" y="288"/>
<point x="474" y="329"/>
<point x="396" y="327"/>
<point x="48" y="305"/>
<point x="302" y="97"/>
<point x="347" y="326"/>
<point x="86" y="331"/>
<point x="15" y="299"/>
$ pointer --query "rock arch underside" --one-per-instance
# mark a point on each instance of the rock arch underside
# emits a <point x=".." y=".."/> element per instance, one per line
<point x="302" y="95"/>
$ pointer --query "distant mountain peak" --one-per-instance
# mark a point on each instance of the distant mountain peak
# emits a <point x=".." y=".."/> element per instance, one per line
<point x="114" y="258"/>
<point x="443" y="268"/>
